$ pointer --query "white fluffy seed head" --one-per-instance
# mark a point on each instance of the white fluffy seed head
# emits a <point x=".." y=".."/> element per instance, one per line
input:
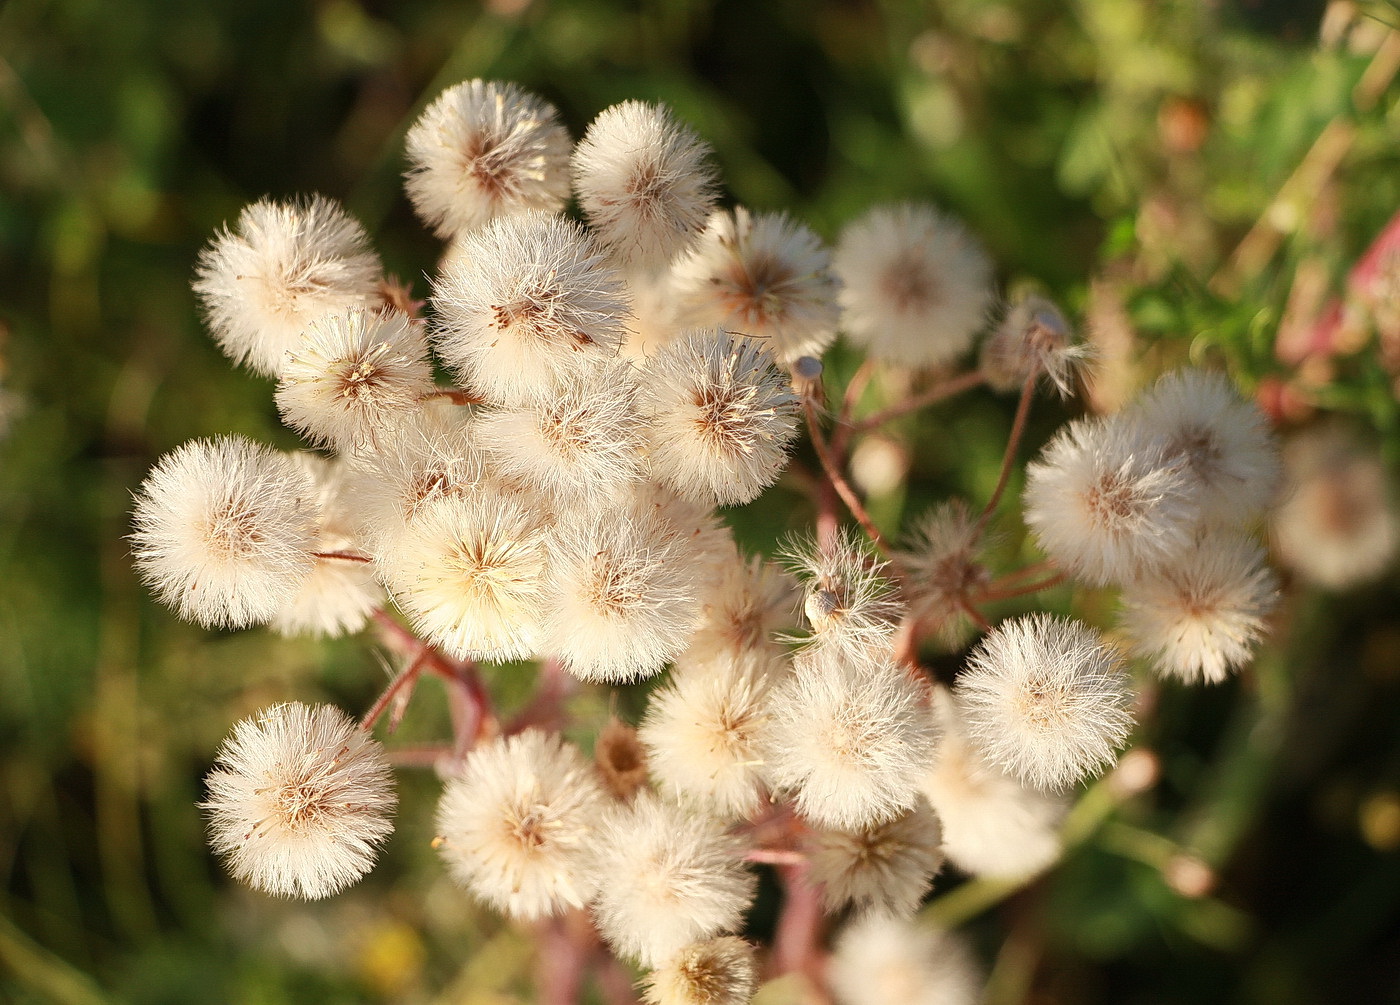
<point x="299" y="801"/>
<point x="354" y="377"/>
<point x="624" y="598"/>
<point x="516" y="826"/>
<point x="645" y="183"/>
<point x="483" y="149"/>
<point x="527" y="299"/>
<point x="469" y="571"/>
<point x="850" y="605"/>
<point x="1338" y="525"/>
<point x="1033" y="334"/>
<point x="992" y="824"/>
<point x="762" y="275"/>
<point x="891" y="961"/>
<point x="224" y="531"/>
<point x="582" y="443"/>
<point x="1199" y="616"/>
<point x="284" y="266"/>
<point x="722" y="417"/>
<point x="849" y="738"/>
<point x="1045" y="699"/>
<point x="714" y="972"/>
<point x="431" y="456"/>
<point x="1221" y="441"/>
<point x="915" y="285"/>
<point x="744" y="606"/>
<point x="944" y="568"/>
<point x="702" y="731"/>
<point x="1106" y="503"/>
<point x="886" y="868"/>
<point x="339" y="594"/>
<point x="667" y="877"/>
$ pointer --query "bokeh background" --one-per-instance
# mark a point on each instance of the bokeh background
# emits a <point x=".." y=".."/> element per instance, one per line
<point x="1189" y="179"/>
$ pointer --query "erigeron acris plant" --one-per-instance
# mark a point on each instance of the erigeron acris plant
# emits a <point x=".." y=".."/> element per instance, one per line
<point x="614" y="381"/>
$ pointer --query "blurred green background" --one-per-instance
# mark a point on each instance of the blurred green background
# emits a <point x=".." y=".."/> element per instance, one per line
<point x="1112" y="153"/>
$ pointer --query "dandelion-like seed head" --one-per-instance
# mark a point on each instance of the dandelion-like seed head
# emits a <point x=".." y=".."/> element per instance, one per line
<point x="849" y="738"/>
<point x="528" y="298"/>
<point x="848" y="601"/>
<point x="516" y="826"/>
<point x="284" y="266"/>
<point x="645" y="182"/>
<point x="1222" y="442"/>
<point x="224" y="531"/>
<point x="886" y="868"/>
<point x="1200" y="616"/>
<point x="702" y="732"/>
<point x="880" y="960"/>
<point x="1033" y="334"/>
<point x="722" y="416"/>
<point x="1106" y="503"/>
<point x="1046" y="700"/>
<point x="483" y="149"/>
<point x="944" y="568"/>
<point x="763" y="275"/>
<point x="299" y="801"/>
<point x="470" y="571"/>
<point x="915" y="285"/>
<point x="354" y="377"/>
<point x="667" y="877"/>
<point x="714" y="972"/>
<point x="624" y="600"/>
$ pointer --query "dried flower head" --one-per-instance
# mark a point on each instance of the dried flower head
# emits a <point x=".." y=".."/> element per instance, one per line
<point x="354" y="377"/>
<point x="621" y="759"/>
<point x="483" y="149"/>
<point x="624" y="599"/>
<point x="886" y="868"/>
<point x="722" y="417"/>
<point x="744" y="605"/>
<point x="526" y="301"/>
<point x="915" y="285"/>
<point x="944" y="569"/>
<point x="702" y="732"/>
<point x="714" y="972"/>
<point x="283" y="267"/>
<point x="645" y="182"/>
<point x="515" y="827"/>
<point x="992" y="824"/>
<point x="224" y="531"/>
<point x="582" y="442"/>
<point x="849" y="603"/>
<point x="470" y="572"/>
<point x="761" y="275"/>
<point x="299" y="801"/>
<point x="1338" y="525"/>
<point x="1033" y="335"/>
<point x="1221" y="441"/>
<point x="890" y="961"/>
<point x="1045" y="699"/>
<point x="1199" y="616"/>
<point x="849" y="738"/>
<point x="1104" y="501"/>
<point x="667" y="877"/>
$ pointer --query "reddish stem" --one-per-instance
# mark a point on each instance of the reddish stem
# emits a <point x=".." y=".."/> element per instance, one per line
<point x="546" y="708"/>
<point x="775" y="856"/>
<point x="796" y="940"/>
<point x="342" y="556"/>
<point x="401" y="684"/>
<point x="560" y="961"/>
<point x="839" y="483"/>
<point x="933" y="395"/>
<point x="993" y="594"/>
<point x="455" y="395"/>
<point x="1013" y="444"/>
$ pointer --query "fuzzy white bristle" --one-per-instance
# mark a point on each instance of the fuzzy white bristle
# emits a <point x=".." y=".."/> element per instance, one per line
<point x="1033" y="335"/>
<point x="850" y="604"/>
<point x="915" y="285"/>
<point x="1046" y="700"/>
<point x="299" y="801"/>
<point x="885" y="868"/>
<point x="284" y="266"/>
<point x="890" y="961"/>
<point x="714" y="972"/>
<point x="483" y="149"/>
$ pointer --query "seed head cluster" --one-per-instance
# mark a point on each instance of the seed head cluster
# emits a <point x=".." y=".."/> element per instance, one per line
<point x="615" y="382"/>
